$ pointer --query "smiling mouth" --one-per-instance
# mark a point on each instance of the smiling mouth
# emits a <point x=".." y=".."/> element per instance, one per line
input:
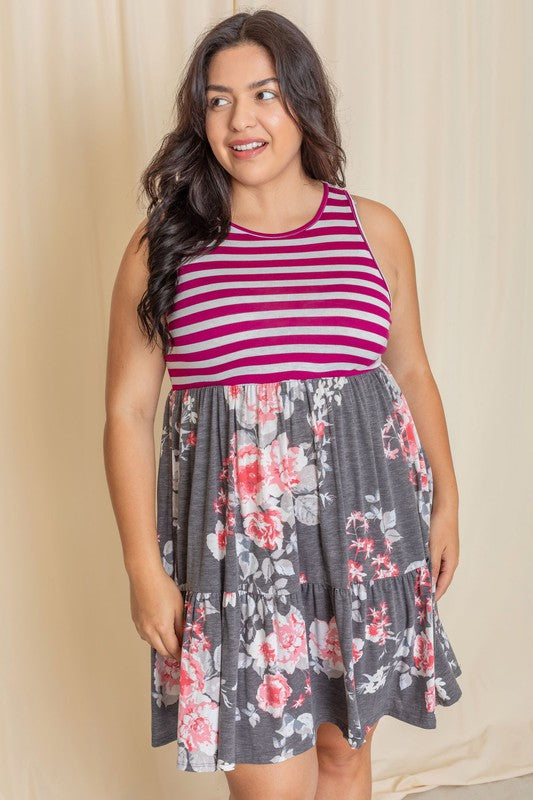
<point x="243" y="148"/>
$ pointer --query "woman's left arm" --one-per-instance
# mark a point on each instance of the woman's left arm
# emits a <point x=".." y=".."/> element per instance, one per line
<point x="423" y="398"/>
<point x="407" y="359"/>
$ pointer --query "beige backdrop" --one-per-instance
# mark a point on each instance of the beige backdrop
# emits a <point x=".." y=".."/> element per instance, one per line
<point x="433" y="105"/>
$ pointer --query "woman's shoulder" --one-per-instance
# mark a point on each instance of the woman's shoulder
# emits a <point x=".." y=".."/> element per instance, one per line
<point x="385" y="234"/>
<point x="132" y="274"/>
<point x="377" y="215"/>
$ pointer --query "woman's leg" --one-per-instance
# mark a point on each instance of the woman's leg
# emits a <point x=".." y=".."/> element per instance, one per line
<point x="293" y="779"/>
<point x="343" y="772"/>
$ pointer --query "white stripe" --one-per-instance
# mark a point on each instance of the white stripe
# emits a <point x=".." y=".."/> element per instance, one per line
<point x="254" y="352"/>
<point x="222" y="303"/>
<point x="355" y="248"/>
<point x="292" y="330"/>
<point x="265" y="369"/>
<point x="274" y="279"/>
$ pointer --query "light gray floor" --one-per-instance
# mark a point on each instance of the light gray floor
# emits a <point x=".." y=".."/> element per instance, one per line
<point x="512" y="789"/>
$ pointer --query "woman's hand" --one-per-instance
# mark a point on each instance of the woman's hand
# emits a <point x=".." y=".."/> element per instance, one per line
<point x="443" y="548"/>
<point x="157" y="611"/>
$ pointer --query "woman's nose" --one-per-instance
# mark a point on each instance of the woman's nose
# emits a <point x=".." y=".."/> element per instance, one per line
<point x="241" y="114"/>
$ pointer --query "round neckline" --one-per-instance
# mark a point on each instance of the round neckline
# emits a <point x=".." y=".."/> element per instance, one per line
<point x="303" y="227"/>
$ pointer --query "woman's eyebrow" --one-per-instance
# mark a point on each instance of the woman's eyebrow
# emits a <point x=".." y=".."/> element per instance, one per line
<point x="219" y="88"/>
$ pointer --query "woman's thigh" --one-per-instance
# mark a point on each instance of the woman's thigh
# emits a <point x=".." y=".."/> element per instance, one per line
<point x="293" y="779"/>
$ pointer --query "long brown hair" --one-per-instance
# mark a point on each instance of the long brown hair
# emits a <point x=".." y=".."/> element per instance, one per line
<point x="189" y="208"/>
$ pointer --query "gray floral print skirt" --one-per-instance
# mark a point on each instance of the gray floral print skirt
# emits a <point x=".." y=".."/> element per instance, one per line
<point x="295" y="519"/>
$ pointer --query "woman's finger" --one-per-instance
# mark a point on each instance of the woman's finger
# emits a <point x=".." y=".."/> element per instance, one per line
<point x="171" y="643"/>
<point x="156" y="641"/>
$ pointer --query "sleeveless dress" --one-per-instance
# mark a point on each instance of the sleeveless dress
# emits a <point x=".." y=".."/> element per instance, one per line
<point x="293" y="504"/>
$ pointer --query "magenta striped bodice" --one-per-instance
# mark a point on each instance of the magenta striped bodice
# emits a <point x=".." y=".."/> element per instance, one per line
<point x="265" y="307"/>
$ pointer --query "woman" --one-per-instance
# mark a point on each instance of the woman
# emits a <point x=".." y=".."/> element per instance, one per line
<point x="288" y="590"/>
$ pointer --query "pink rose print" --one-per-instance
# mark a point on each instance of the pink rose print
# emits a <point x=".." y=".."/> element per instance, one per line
<point x="424" y="475"/>
<point x="291" y="641"/>
<point x="192" y="678"/>
<point x="265" y="528"/>
<point x="430" y="698"/>
<point x="257" y="405"/>
<point x="167" y="678"/>
<point x="423" y="601"/>
<point x="409" y="438"/>
<point x="275" y="468"/>
<point x="282" y="466"/>
<point x="233" y="390"/>
<point x="273" y="693"/>
<point x="247" y="471"/>
<point x="404" y="431"/>
<point x="263" y="649"/>
<point x="269" y="403"/>
<point x="357" y="649"/>
<point x="423" y="654"/>
<point x="324" y="644"/>
<point x="197" y="725"/>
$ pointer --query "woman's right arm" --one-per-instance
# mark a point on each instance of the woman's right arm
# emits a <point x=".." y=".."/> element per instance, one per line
<point x="133" y="384"/>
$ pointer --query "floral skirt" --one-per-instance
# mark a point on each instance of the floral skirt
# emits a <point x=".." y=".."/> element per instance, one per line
<point x="295" y="517"/>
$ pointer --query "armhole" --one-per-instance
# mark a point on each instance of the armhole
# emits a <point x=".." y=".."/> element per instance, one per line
<point x="356" y="215"/>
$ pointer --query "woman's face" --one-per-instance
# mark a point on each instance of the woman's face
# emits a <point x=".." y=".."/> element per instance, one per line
<point x="236" y="111"/>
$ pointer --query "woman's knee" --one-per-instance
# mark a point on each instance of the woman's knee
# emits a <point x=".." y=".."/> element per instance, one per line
<point x="296" y="778"/>
<point x="334" y="752"/>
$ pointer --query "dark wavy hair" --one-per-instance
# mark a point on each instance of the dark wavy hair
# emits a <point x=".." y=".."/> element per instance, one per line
<point x="189" y="192"/>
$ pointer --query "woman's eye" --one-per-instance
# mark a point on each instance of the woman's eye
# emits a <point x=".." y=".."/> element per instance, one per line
<point x="264" y="91"/>
<point x="267" y="91"/>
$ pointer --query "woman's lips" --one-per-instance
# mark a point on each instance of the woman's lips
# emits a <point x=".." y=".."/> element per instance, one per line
<point x="245" y="154"/>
